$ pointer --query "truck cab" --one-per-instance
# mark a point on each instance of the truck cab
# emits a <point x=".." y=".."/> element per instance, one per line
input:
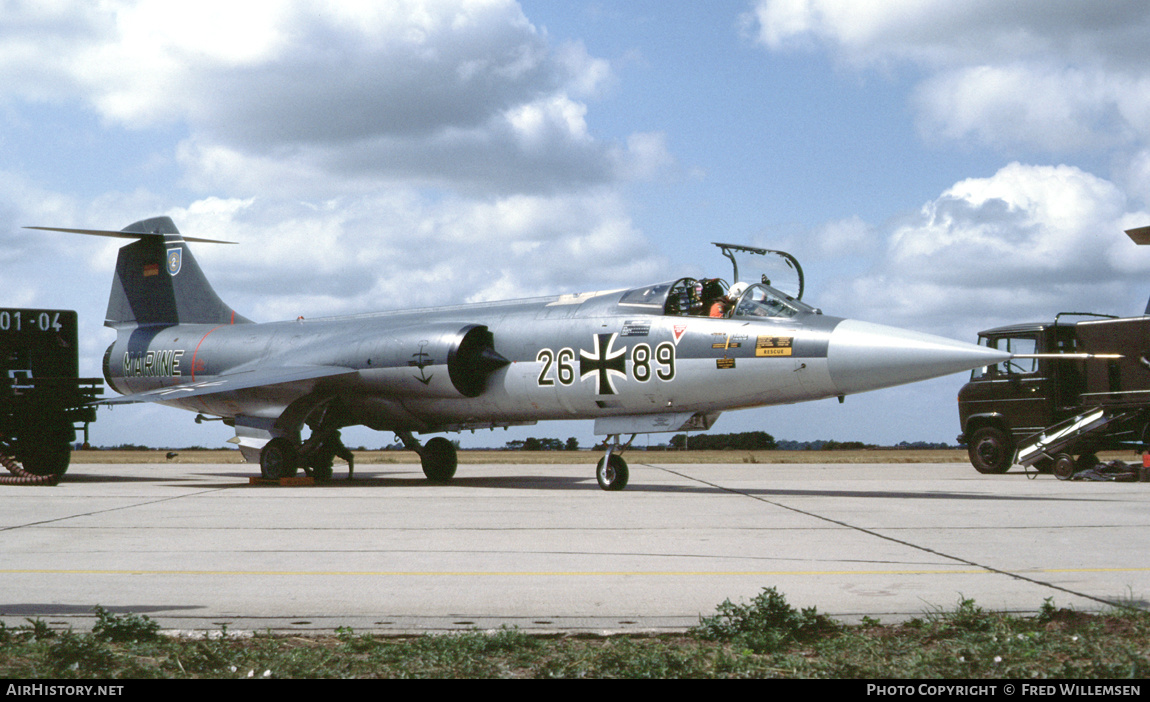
<point x="1007" y="402"/>
<point x="1038" y="404"/>
<point x="41" y="397"/>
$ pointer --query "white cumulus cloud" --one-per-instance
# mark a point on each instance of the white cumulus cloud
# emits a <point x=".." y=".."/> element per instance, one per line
<point x="1027" y="242"/>
<point x="1060" y="76"/>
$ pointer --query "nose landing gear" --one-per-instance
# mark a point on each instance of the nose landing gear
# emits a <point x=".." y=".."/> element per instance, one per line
<point x="611" y="472"/>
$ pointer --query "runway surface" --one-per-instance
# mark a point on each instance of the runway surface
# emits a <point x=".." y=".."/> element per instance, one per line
<point x="542" y="548"/>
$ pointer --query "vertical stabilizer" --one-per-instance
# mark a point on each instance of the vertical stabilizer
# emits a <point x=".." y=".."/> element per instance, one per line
<point x="159" y="282"/>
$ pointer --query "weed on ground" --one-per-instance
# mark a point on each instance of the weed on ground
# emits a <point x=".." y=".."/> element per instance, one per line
<point x="763" y="638"/>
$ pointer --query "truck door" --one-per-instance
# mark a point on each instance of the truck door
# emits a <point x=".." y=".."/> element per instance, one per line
<point x="1021" y="391"/>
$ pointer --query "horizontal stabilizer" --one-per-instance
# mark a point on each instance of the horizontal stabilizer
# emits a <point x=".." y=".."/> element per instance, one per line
<point x="229" y="383"/>
<point x="158" y="281"/>
<point x="1140" y="236"/>
<point x="128" y="234"/>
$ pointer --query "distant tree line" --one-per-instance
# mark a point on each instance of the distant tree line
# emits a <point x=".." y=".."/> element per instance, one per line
<point x="746" y="441"/>
<point x="533" y="444"/>
<point x="828" y="445"/>
<point x="762" y="441"/>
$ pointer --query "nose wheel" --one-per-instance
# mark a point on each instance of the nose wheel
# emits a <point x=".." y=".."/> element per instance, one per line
<point x="611" y="472"/>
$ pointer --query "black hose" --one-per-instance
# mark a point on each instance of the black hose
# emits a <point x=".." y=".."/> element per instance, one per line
<point x="22" y="477"/>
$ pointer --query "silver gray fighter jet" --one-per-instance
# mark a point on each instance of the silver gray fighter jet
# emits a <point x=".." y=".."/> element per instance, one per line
<point x="641" y="360"/>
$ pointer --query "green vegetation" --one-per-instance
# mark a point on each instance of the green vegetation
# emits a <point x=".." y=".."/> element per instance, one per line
<point x="763" y="638"/>
<point x="130" y="627"/>
<point x="766" y="625"/>
<point x="744" y="441"/>
<point x="533" y="444"/>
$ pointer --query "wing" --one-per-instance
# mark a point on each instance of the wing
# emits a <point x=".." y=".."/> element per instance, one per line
<point x="229" y="383"/>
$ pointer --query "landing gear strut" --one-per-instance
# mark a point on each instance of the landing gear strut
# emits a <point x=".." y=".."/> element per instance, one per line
<point x="284" y="455"/>
<point x="611" y="472"/>
<point x="318" y="454"/>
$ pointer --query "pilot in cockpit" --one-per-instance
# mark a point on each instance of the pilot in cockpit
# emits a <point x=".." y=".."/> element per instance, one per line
<point x="714" y="298"/>
<point x="723" y="305"/>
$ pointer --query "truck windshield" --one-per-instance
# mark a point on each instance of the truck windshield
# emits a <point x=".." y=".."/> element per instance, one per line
<point x="1015" y="366"/>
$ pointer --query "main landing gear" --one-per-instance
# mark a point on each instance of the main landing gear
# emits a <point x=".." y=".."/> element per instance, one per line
<point x="438" y="457"/>
<point x="611" y="472"/>
<point x="281" y="458"/>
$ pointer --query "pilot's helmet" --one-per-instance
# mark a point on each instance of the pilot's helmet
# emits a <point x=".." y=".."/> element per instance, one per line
<point x="712" y="288"/>
<point x="737" y="290"/>
<point x="695" y="293"/>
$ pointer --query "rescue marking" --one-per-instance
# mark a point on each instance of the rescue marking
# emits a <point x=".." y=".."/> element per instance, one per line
<point x="767" y="346"/>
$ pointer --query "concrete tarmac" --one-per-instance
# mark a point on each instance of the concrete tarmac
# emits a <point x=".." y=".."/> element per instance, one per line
<point x="542" y="548"/>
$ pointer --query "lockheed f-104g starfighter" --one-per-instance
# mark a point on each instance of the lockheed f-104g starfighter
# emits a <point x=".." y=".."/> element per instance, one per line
<point x="639" y="360"/>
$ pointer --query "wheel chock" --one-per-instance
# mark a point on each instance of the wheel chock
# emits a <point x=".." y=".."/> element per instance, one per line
<point x="282" y="482"/>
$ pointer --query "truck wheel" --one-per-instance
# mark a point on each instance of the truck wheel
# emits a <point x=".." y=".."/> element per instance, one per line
<point x="47" y="448"/>
<point x="46" y="458"/>
<point x="991" y="451"/>
<point x="1063" y="466"/>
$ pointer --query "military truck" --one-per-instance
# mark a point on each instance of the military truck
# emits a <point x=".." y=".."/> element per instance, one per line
<point x="1083" y="387"/>
<point x="42" y="399"/>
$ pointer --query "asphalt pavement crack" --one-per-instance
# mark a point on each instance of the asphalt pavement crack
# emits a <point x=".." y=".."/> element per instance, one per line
<point x="105" y="511"/>
<point x="901" y="542"/>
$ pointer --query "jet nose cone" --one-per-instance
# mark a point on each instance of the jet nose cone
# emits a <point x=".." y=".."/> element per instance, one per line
<point x="863" y="356"/>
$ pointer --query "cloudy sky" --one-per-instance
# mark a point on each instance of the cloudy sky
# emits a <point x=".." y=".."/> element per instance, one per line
<point x="941" y="165"/>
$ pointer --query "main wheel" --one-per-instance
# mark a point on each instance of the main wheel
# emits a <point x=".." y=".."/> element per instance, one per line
<point x="439" y="460"/>
<point x="612" y="475"/>
<point x="278" y="459"/>
<point x="991" y="451"/>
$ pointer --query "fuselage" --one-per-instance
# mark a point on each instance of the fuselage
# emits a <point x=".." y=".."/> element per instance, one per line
<point x="592" y="356"/>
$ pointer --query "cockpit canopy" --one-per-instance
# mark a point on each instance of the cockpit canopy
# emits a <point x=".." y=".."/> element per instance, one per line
<point x="764" y="301"/>
<point x="693" y="297"/>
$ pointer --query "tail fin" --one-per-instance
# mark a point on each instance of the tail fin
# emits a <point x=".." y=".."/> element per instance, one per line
<point x="158" y="282"/>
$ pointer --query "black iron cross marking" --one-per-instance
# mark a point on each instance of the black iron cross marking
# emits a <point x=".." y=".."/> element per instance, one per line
<point x="603" y="363"/>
